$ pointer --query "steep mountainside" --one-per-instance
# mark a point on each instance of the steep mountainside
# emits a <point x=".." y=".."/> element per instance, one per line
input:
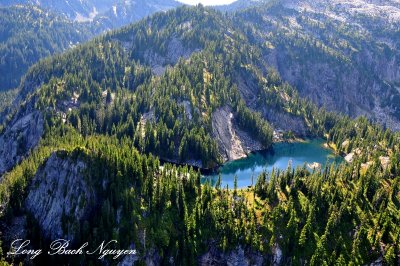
<point x="81" y="10"/>
<point x="240" y="5"/>
<point x="124" y="12"/>
<point x="109" y="13"/>
<point x="190" y="86"/>
<point x="38" y="29"/>
<point x="342" y="55"/>
<point x="187" y="49"/>
<point x="28" y="34"/>
<point x="57" y="175"/>
<point x="119" y="68"/>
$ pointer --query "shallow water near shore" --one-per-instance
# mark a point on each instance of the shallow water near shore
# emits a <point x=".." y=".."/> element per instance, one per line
<point x="311" y="152"/>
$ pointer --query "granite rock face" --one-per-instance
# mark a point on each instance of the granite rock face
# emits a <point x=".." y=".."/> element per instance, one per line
<point x="175" y="50"/>
<point x="236" y="257"/>
<point x="233" y="143"/>
<point x="19" y="137"/>
<point x="60" y="197"/>
<point x="340" y="54"/>
<point x="286" y="122"/>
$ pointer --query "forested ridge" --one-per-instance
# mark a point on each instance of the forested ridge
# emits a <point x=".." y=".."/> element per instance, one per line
<point x="28" y="34"/>
<point x="105" y="104"/>
<point x="117" y="92"/>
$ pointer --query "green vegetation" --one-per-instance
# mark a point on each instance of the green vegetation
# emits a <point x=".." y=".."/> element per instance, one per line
<point x="6" y="98"/>
<point x="28" y="34"/>
<point x="103" y="104"/>
<point x="336" y="214"/>
<point x="169" y="115"/>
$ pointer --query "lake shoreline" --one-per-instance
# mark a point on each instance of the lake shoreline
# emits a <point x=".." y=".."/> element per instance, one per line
<point x="215" y="170"/>
<point x="311" y="152"/>
<point x="208" y="171"/>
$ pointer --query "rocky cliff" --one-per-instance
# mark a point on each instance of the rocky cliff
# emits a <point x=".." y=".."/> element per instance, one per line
<point x="21" y="135"/>
<point x="60" y="197"/>
<point x="340" y="54"/>
<point x="236" y="257"/>
<point x="233" y="143"/>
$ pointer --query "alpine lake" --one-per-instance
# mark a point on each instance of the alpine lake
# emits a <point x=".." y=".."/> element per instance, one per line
<point x="310" y="153"/>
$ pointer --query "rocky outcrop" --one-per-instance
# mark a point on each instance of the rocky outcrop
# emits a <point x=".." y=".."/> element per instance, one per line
<point x="174" y="51"/>
<point x="286" y="122"/>
<point x="158" y="61"/>
<point x="130" y="259"/>
<point x="16" y="229"/>
<point x="188" y="109"/>
<point x="19" y="137"/>
<point x="277" y="255"/>
<point x="233" y="143"/>
<point x="248" y="88"/>
<point x="237" y="257"/>
<point x="59" y="197"/>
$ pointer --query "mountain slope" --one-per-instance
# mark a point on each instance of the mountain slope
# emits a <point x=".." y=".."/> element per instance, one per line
<point x="73" y="9"/>
<point x="185" y="86"/>
<point x="240" y="5"/>
<point x="187" y="49"/>
<point x="28" y="34"/>
<point x="120" y="84"/>
<point x="342" y="55"/>
<point x="34" y="30"/>
<point x="115" y="55"/>
<point x="110" y="13"/>
<point x="127" y="11"/>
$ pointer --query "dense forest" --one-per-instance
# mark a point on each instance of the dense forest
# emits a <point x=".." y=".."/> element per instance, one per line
<point x="117" y="93"/>
<point x="338" y="215"/>
<point x="106" y="104"/>
<point x="28" y="34"/>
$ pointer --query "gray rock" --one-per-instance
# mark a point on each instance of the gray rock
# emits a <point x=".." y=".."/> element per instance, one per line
<point x="237" y="257"/>
<point x="277" y="255"/>
<point x="19" y="137"/>
<point x="129" y="260"/>
<point x="59" y="197"/>
<point x="355" y="72"/>
<point x="286" y="122"/>
<point x="233" y="143"/>
<point x="175" y="51"/>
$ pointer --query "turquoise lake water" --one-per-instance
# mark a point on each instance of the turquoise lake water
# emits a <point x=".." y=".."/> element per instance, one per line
<point x="297" y="154"/>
